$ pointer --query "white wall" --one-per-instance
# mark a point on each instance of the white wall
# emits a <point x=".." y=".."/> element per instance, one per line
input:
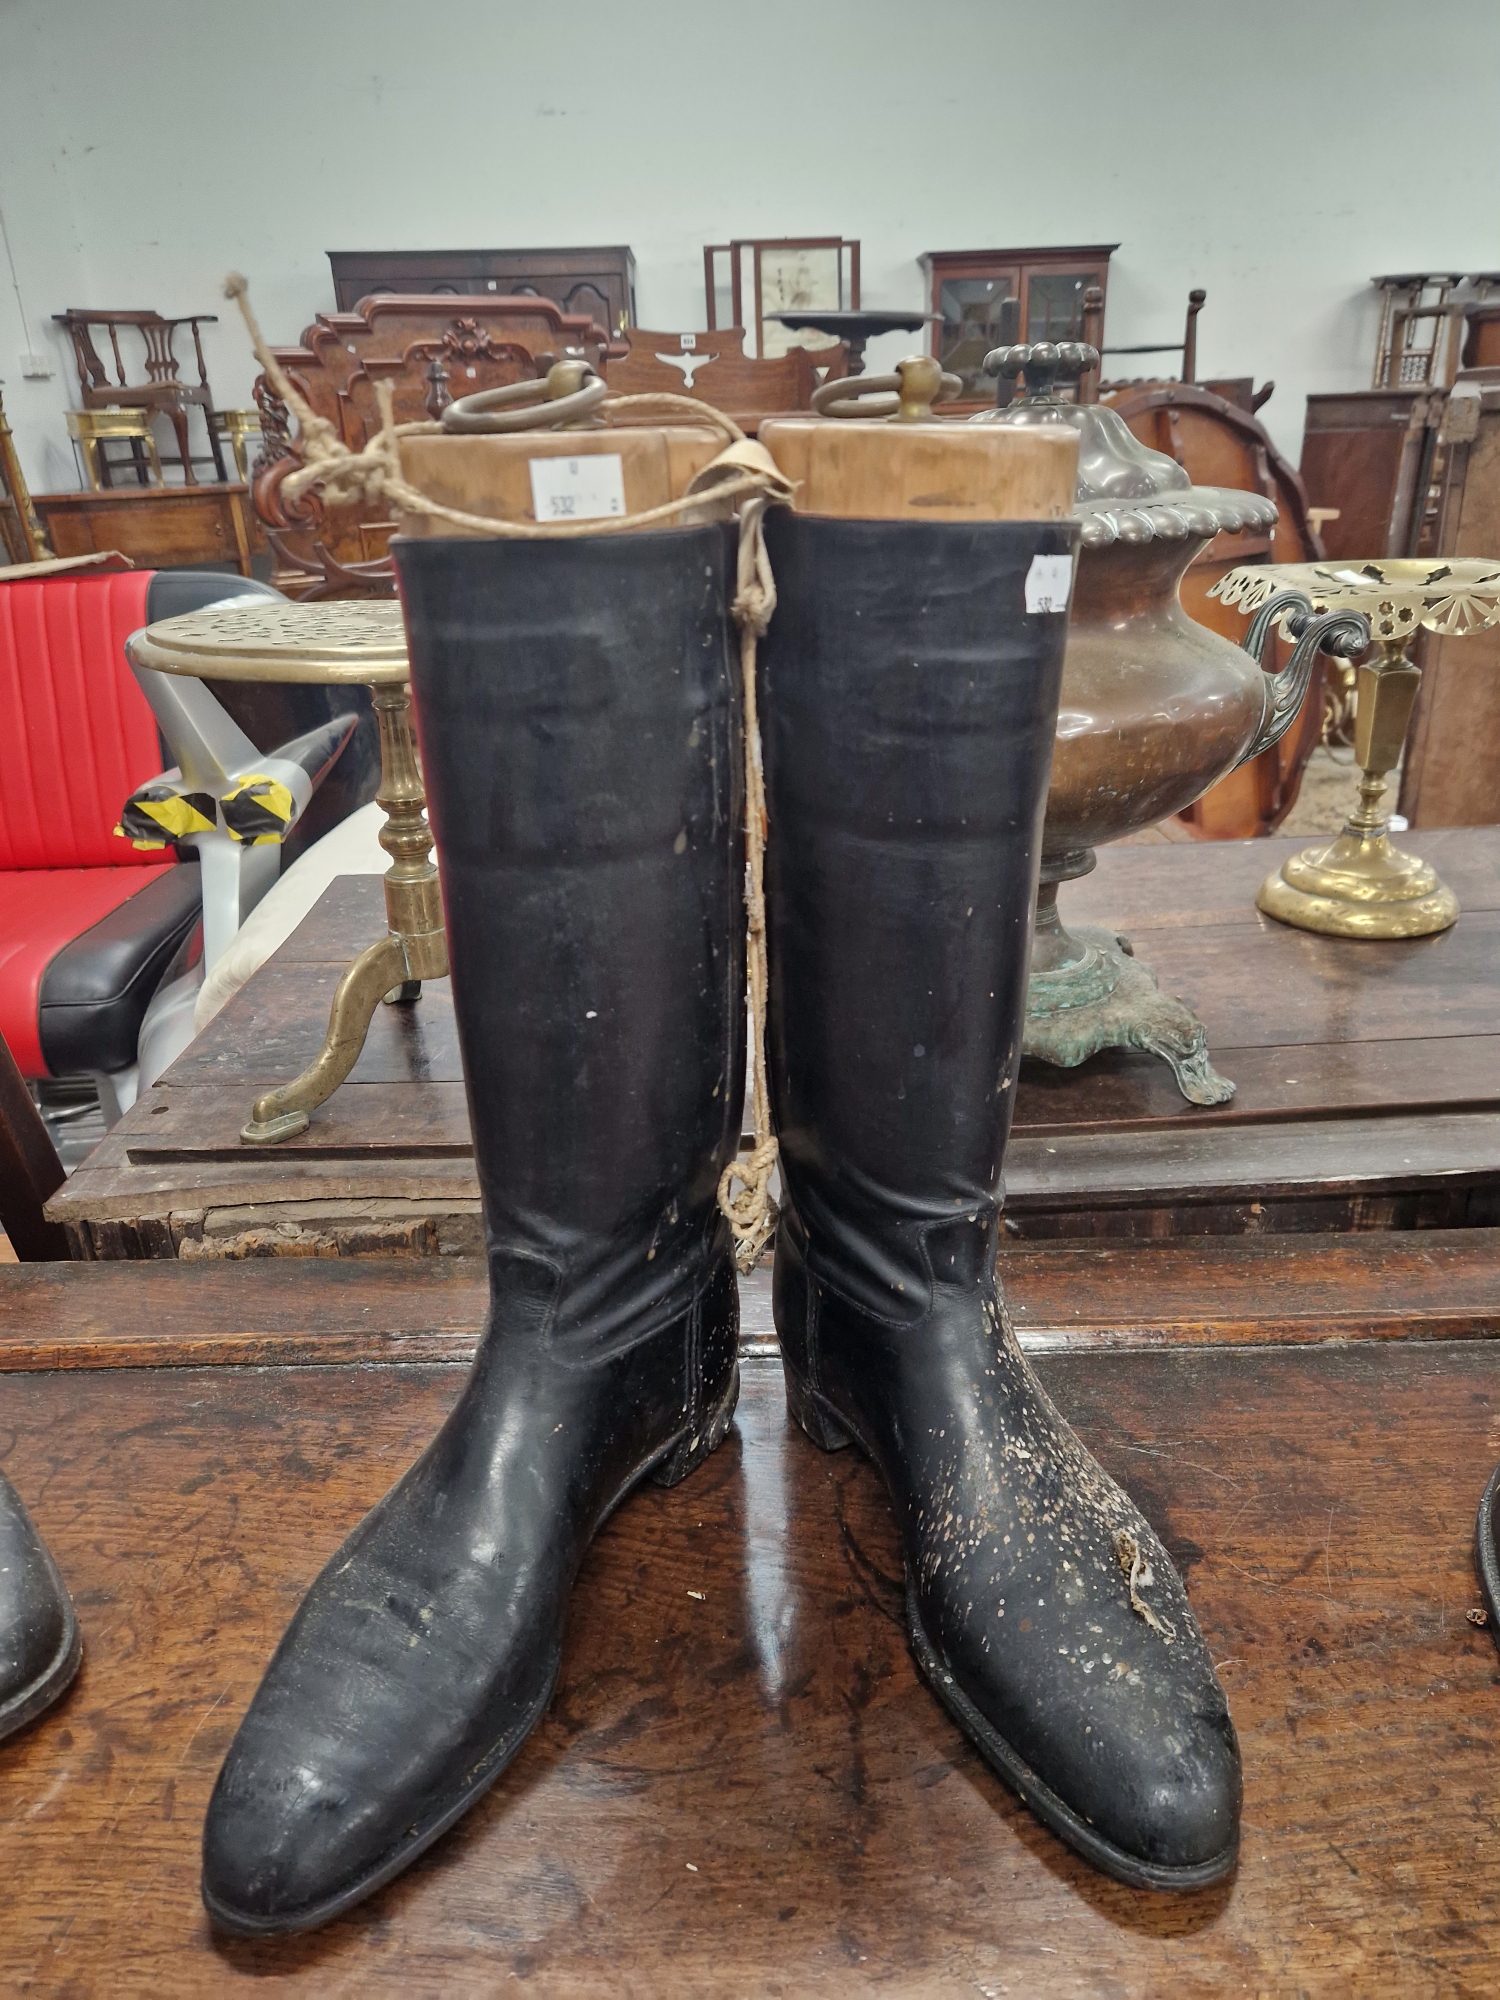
<point x="1277" y="154"/>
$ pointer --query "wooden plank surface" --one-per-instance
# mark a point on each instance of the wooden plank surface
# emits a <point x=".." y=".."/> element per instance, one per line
<point x="1365" y="1072"/>
<point x="1068" y="1296"/>
<point x="746" y="1789"/>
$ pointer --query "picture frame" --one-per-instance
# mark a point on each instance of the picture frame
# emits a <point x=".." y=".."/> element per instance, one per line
<point x="776" y="273"/>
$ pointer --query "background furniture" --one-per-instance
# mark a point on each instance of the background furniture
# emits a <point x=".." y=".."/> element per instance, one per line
<point x="163" y="393"/>
<point x="969" y="288"/>
<point x="1361" y="1104"/>
<point x="1451" y="772"/>
<point x="91" y="922"/>
<point x="21" y="536"/>
<point x="773" y="272"/>
<point x="1377" y="455"/>
<point x="159" y="525"/>
<point x="430" y="355"/>
<point x="92" y="430"/>
<point x="1372" y="455"/>
<point x="1417" y="343"/>
<point x="715" y="367"/>
<point x="853" y="328"/>
<point x="599" y="282"/>
<point x="736" y="1652"/>
<point x="99" y="933"/>
<point x="1481" y="336"/>
<point x="1422" y="317"/>
<point x="29" y="1170"/>
<point x="237" y="425"/>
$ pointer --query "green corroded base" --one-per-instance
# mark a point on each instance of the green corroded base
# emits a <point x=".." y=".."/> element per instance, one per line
<point x="1102" y="997"/>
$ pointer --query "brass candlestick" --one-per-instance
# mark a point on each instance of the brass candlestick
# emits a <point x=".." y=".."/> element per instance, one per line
<point x="1359" y="885"/>
<point x="254" y="639"/>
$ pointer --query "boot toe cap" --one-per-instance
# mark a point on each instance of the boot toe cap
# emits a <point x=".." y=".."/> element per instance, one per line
<point x="283" y="1848"/>
<point x="1176" y="1805"/>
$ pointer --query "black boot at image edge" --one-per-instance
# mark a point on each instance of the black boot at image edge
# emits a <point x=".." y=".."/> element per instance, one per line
<point x="41" y="1647"/>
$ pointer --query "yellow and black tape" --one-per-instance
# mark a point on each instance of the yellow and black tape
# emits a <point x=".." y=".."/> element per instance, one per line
<point x="159" y="815"/>
<point x="258" y="811"/>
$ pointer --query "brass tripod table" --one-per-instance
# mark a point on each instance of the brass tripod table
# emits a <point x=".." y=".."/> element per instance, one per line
<point x="361" y="643"/>
<point x="1359" y="885"/>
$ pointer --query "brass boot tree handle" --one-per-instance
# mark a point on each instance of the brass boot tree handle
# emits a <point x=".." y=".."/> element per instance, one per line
<point x="565" y="400"/>
<point x="906" y="397"/>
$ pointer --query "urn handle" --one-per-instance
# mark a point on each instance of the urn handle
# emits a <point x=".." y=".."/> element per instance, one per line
<point x="1345" y="634"/>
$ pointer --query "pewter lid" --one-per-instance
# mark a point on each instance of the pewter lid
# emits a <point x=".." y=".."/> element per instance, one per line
<point x="1126" y="492"/>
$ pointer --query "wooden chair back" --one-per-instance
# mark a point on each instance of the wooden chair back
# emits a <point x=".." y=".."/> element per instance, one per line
<point x="717" y="370"/>
<point x="158" y="335"/>
<point x="432" y="350"/>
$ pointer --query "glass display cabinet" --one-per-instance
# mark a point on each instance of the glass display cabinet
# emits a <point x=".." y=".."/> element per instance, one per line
<point x="992" y="298"/>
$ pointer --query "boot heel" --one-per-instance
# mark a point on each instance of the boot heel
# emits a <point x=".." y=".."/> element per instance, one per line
<point x="804" y="1408"/>
<point x="690" y="1454"/>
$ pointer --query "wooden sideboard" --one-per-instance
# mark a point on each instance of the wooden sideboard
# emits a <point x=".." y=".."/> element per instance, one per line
<point x="597" y="280"/>
<point x="163" y="526"/>
<point x="1450" y="774"/>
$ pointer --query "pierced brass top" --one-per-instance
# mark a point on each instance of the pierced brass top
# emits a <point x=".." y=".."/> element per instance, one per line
<point x="359" y="641"/>
<point x="1398" y="594"/>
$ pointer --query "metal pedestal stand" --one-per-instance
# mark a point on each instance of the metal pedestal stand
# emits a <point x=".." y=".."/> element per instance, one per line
<point x="357" y="643"/>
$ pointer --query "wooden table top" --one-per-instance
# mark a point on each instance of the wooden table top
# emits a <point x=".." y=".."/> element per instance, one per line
<point x="741" y="1786"/>
<point x="1368" y="1074"/>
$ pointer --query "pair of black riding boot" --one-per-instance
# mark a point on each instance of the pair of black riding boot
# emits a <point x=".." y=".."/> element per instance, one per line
<point x="580" y="725"/>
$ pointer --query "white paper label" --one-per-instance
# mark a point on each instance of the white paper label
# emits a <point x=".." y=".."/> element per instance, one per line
<point x="578" y="489"/>
<point x="1048" y="582"/>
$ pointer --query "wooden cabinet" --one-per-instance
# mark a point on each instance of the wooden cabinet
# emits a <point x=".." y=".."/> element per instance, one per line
<point x="596" y="281"/>
<point x="1449" y="771"/>
<point x="989" y="298"/>
<point x="1369" y="453"/>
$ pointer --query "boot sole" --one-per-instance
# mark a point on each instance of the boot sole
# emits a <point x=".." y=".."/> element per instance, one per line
<point x="831" y="1432"/>
<point x="670" y="1466"/>
<point x="35" y="1700"/>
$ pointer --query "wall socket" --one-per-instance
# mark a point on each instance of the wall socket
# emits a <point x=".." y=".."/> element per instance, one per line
<point x="37" y="367"/>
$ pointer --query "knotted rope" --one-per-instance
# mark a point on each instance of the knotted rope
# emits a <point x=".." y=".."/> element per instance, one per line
<point x="745" y="472"/>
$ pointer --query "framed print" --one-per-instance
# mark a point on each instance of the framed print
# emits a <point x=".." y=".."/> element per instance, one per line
<point x="778" y="274"/>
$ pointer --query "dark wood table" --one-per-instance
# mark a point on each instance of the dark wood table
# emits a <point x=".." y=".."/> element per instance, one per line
<point x="741" y="1786"/>
<point x="1369" y="1088"/>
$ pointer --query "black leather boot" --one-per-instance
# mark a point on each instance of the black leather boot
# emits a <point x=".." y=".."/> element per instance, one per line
<point x="908" y="707"/>
<point x="578" y="716"/>
<point x="39" y="1644"/>
<point x="1487" y="1551"/>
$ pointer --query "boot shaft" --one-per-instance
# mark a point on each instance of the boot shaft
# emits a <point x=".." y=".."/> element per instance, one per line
<point x="909" y="703"/>
<point x="577" y="707"/>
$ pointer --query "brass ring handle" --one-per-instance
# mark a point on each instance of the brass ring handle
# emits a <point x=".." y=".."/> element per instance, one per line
<point x="571" y="392"/>
<point x="906" y="397"/>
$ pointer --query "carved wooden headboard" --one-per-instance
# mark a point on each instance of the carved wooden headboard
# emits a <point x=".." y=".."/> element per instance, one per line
<point x="431" y="351"/>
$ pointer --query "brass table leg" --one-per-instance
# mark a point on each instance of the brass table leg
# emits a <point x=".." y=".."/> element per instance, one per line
<point x="416" y="948"/>
<point x="1361" y="886"/>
